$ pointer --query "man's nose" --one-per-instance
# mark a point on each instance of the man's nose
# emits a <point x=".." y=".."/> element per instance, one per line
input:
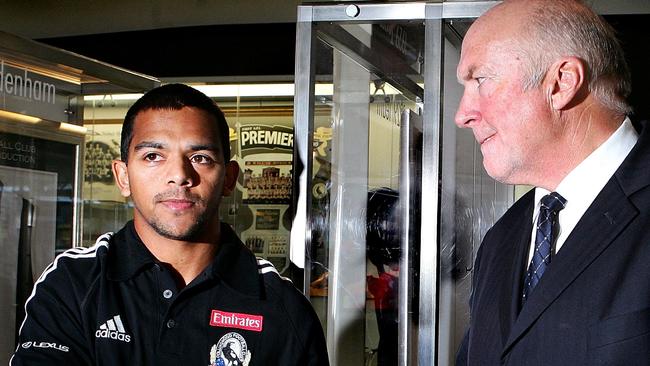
<point x="467" y="112"/>
<point x="180" y="171"/>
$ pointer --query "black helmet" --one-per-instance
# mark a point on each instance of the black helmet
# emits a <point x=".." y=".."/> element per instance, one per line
<point x="383" y="226"/>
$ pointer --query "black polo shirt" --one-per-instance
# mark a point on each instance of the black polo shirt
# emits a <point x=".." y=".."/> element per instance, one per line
<point x="116" y="304"/>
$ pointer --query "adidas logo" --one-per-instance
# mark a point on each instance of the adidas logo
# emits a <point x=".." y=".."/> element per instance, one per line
<point x="113" y="329"/>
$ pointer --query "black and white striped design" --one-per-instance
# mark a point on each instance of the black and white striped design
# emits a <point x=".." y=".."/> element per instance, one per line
<point x="74" y="253"/>
<point x="264" y="266"/>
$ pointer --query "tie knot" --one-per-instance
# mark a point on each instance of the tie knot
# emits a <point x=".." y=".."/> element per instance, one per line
<point x="553" y="202"/>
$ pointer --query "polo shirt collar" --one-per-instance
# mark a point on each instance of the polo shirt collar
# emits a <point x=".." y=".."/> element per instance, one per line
<point x="234" y="263"/>
<point x="127" y="255"/>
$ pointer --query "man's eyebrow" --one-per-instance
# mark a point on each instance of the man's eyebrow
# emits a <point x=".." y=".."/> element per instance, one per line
<point x="209" y="147"/>
<point x="467" y="74"/>
<point x="148" y="144"/>
<point x="160" y="145"/>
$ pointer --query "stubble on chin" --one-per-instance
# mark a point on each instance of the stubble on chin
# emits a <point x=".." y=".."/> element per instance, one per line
<point x="198" y="230"/>
<point x="170" y="232"/>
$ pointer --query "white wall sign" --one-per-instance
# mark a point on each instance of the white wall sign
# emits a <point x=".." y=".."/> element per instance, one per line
<point x="21" y="83"/>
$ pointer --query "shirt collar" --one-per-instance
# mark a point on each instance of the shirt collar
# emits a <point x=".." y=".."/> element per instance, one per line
<point x="234" y="263"/>
<point x="587" y="179"/>
<point x="581" y="186"/>
<point x="127" y="255"/>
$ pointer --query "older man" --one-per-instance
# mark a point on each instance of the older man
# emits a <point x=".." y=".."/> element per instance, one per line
<point x="563" y="277"/>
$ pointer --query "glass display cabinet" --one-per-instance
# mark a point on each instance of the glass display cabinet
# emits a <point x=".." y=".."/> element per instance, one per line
<point x="392" y="199"/>
<point x="41" y="161"/>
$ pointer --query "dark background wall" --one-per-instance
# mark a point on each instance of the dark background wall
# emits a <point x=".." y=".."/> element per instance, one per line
<point x="634" y="33"/>
<point x="198" y="51"/>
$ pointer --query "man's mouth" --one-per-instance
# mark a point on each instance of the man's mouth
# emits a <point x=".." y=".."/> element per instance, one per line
<point x="486" y="139"/>
<point x="177" y="204"/>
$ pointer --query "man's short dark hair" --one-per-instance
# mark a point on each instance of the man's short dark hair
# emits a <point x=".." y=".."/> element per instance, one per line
<point x="175" y="97"/>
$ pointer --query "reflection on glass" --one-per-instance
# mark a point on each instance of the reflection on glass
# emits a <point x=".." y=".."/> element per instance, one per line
<point x="37" y="198"/>
<point x="384" y="252"/>
<point x="356" y="246"/>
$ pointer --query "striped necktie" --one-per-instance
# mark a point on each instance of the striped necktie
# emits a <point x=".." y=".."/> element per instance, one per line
<point x="547" y="227"/>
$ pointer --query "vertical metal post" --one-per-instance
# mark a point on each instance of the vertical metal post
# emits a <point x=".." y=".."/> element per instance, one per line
<point x="303" y="121"/>
<point x="409" y="191"/>
<point x="450" y="243"/>
<point x="404" y="210"/>
<point x="77" y="208"/>
<point x="429" y="261"/>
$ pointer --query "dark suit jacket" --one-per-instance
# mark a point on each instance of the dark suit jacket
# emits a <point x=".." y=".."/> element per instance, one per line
<point x="592" y="306"/>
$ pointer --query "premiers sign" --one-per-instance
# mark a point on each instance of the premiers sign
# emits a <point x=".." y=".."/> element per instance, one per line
<point x="265" y="137"/>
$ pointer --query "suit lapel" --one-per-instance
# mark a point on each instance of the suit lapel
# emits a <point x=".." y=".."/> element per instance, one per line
<point x="602" y="222"/>
<point x="514" y="263"/>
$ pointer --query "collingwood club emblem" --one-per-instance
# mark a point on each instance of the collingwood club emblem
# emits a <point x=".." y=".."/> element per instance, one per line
<point x="231" y="350"/>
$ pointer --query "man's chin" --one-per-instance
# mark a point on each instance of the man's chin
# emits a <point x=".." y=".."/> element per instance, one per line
<point x="186" y="236"/>
<point x="180" y="232"/>
<point x="497" y="173"/>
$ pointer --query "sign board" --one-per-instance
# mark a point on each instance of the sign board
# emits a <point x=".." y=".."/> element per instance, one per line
<point x="26" y="92"/>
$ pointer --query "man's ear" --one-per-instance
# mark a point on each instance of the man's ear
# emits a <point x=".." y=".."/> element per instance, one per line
<point x="230" y="180"/>
<point x="121" y="174"/>
<point x="567" y="78"/>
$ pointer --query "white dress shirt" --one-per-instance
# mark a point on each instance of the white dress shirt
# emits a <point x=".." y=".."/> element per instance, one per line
<point x="581" y="186"/>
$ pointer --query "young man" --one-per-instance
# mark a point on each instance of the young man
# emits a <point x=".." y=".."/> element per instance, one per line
<point x="174" y="286"/>
<point x="563" y="277"/>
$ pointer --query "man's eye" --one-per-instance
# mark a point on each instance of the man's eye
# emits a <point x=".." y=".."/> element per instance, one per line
<point x="152" y="157"/>
<point x="202" y="159"/>
<point x="480" y="80"/>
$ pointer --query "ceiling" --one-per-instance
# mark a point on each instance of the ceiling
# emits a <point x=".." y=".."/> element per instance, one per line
<point x="59" y="18"/>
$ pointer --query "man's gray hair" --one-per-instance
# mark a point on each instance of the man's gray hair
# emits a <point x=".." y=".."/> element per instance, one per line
<point x="560" y="28"/>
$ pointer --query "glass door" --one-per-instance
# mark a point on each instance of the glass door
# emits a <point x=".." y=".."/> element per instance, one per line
<point x="377" y="189"/>
<point x="368" y="82"/>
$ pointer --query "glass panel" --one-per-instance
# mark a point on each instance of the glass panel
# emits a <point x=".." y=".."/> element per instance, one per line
<point x="38" y="194"/>
<point x="366" y="76"/>
<point x="104" y="208"/>
<point x="261" y="139"/>
<point x="41" y="169"/>
<point x="471" y="202"/>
